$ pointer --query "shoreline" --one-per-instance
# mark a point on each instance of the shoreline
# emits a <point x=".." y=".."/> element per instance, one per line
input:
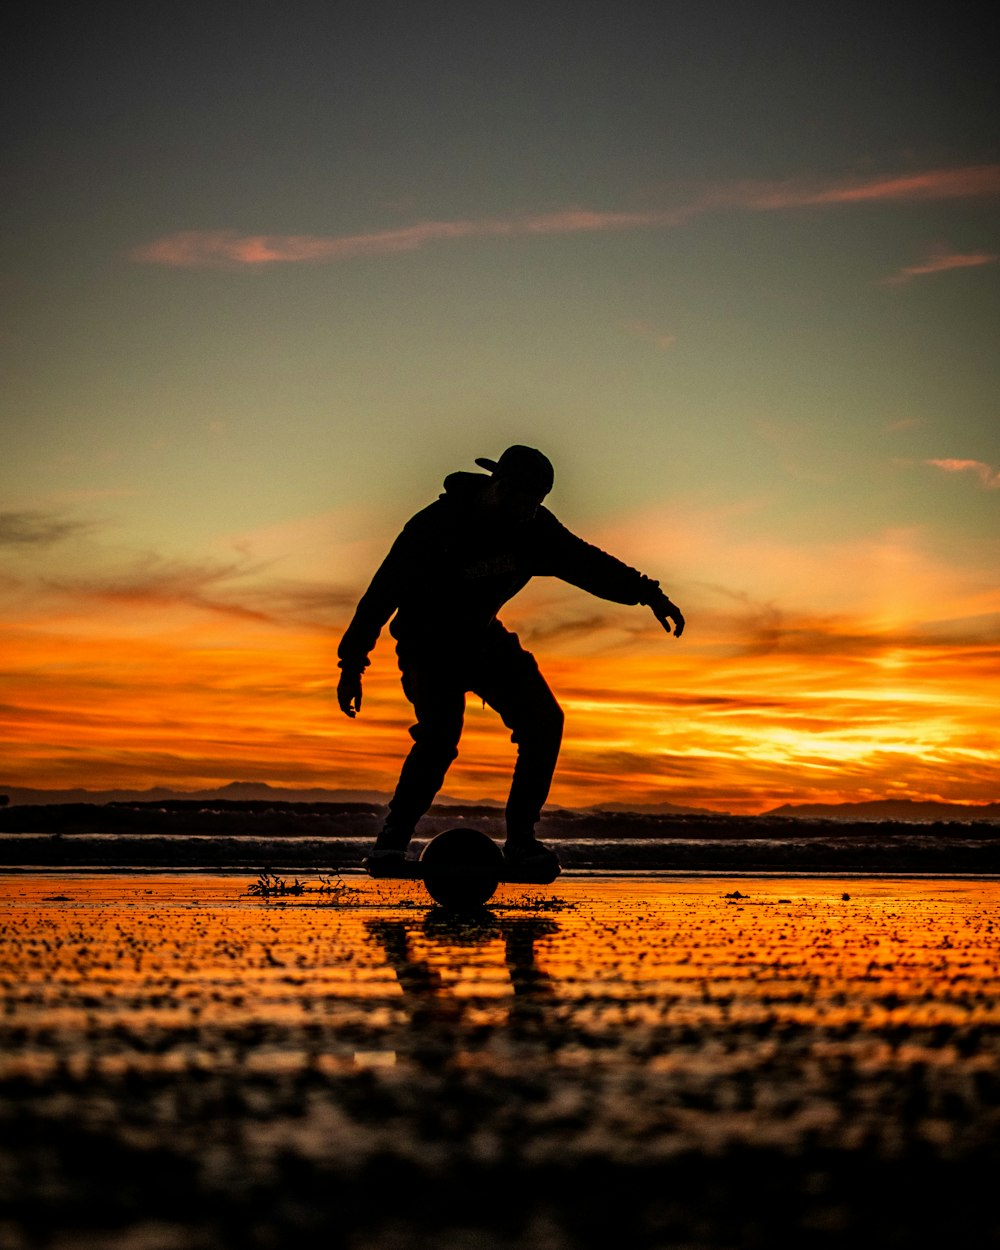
<point x="247" y="837"/>
<point x="916" y="854"/>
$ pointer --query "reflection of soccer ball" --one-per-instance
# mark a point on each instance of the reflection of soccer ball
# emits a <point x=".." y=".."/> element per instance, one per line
<point x="461" y="868"/>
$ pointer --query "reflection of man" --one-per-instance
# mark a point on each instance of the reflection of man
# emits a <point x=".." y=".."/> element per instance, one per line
<point x="447" y="575"/>
<point x="441" y="1021"/>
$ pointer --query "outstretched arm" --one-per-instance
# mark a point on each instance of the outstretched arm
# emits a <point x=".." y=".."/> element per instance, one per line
<point x="593" y="570"/>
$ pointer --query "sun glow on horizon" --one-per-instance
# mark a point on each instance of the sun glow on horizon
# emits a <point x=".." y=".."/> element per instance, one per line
<point x="190" y="696"/>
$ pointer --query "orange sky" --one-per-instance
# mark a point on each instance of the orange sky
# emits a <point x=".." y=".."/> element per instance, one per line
<point x="739" y="280"/>
<point x="171" y="680"/>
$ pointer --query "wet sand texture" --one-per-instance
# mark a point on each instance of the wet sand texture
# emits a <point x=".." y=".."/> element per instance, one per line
<point x="606" y="1063"/>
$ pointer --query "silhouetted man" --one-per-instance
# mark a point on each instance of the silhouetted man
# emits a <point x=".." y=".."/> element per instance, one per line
<point x="455" y="564"/>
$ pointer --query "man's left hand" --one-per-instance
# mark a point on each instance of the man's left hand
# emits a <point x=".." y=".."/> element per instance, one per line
<point x="349" y="692"/>
<point x="665" y="612"/>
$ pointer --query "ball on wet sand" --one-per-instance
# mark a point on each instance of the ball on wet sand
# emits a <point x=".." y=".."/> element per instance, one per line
<point x="461" y="868"/>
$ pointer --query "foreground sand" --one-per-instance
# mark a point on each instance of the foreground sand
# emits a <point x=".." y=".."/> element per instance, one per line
<point x="612" y="1062"/>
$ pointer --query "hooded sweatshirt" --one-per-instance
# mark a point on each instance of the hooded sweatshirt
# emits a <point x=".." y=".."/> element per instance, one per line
<point x="454" y="566"/>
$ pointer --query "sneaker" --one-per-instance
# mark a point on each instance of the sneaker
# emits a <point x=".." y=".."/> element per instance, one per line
<point x="389" y="863"/>
<point x="530" y="862"/>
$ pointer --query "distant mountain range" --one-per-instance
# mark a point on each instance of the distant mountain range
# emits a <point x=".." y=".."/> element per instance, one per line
<point x="909" y="810"/>
<point x="889" y="809"/>
<point x="656" y="809"/>
<point x="234" y="792"/>
<point x="261" y="792"/>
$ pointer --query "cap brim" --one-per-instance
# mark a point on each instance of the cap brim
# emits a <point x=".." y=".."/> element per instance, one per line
<point x="486" y="464"/>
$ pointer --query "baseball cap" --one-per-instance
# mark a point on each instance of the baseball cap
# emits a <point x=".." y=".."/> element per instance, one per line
<point x="525" y="465"/>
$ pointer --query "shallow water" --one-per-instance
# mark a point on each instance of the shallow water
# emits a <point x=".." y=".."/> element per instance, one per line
<point x="652" y="1061"/>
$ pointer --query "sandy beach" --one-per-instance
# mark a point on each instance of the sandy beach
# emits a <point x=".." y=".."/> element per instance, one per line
<point x="688" y="1062"/>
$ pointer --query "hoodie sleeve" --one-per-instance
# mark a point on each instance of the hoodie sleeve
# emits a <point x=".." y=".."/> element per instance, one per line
<point x="381" y="599"/>
<point x="582" y="564"/>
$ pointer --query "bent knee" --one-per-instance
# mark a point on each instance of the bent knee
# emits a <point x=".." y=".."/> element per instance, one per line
<point x="438" y="740"/>
<point x="544" y="725"/>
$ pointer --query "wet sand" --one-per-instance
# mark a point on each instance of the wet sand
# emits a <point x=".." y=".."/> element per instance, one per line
<point x="610" y="1062"/>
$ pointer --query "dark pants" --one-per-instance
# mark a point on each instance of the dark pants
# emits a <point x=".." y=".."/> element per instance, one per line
<point x="506" y="677"/>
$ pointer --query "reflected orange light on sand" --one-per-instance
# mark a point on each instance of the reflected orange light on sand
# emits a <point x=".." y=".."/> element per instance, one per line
<point x="776" y="950"/>
<point x="190" y="697"/>
<point x="240" y="1043"/>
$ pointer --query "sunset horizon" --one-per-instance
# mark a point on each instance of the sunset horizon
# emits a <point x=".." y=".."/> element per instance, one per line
<point x="271" y="281"/>
<point x="752" y="708"/>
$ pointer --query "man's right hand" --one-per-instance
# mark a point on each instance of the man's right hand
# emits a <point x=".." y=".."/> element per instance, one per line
<point x="349" y="693"/>
<point x="667" y="612"/>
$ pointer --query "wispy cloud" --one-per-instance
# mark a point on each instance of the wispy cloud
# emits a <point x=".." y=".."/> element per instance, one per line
<point x="651" y="334"/>
<point x="34" y="528"/>
<point x="941" y="262"/>
<point x="269" y="575"/>
<point x="967" y="182"/>
<point x="234" y="589"/>
<point x="214" y="249"/>
<point x="988" y="476"/>
<point x="157" y="582"/>
<point x="201" y="249"/>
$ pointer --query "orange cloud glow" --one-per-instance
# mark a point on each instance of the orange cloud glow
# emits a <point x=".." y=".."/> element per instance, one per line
<point x="988" y="476"/>
<point x="941" y="262"/>
<point x="198" y="249"/>
<point x="206" y="249"/>
<point x="207" y="679"/>
<point x="967" y="182"/>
